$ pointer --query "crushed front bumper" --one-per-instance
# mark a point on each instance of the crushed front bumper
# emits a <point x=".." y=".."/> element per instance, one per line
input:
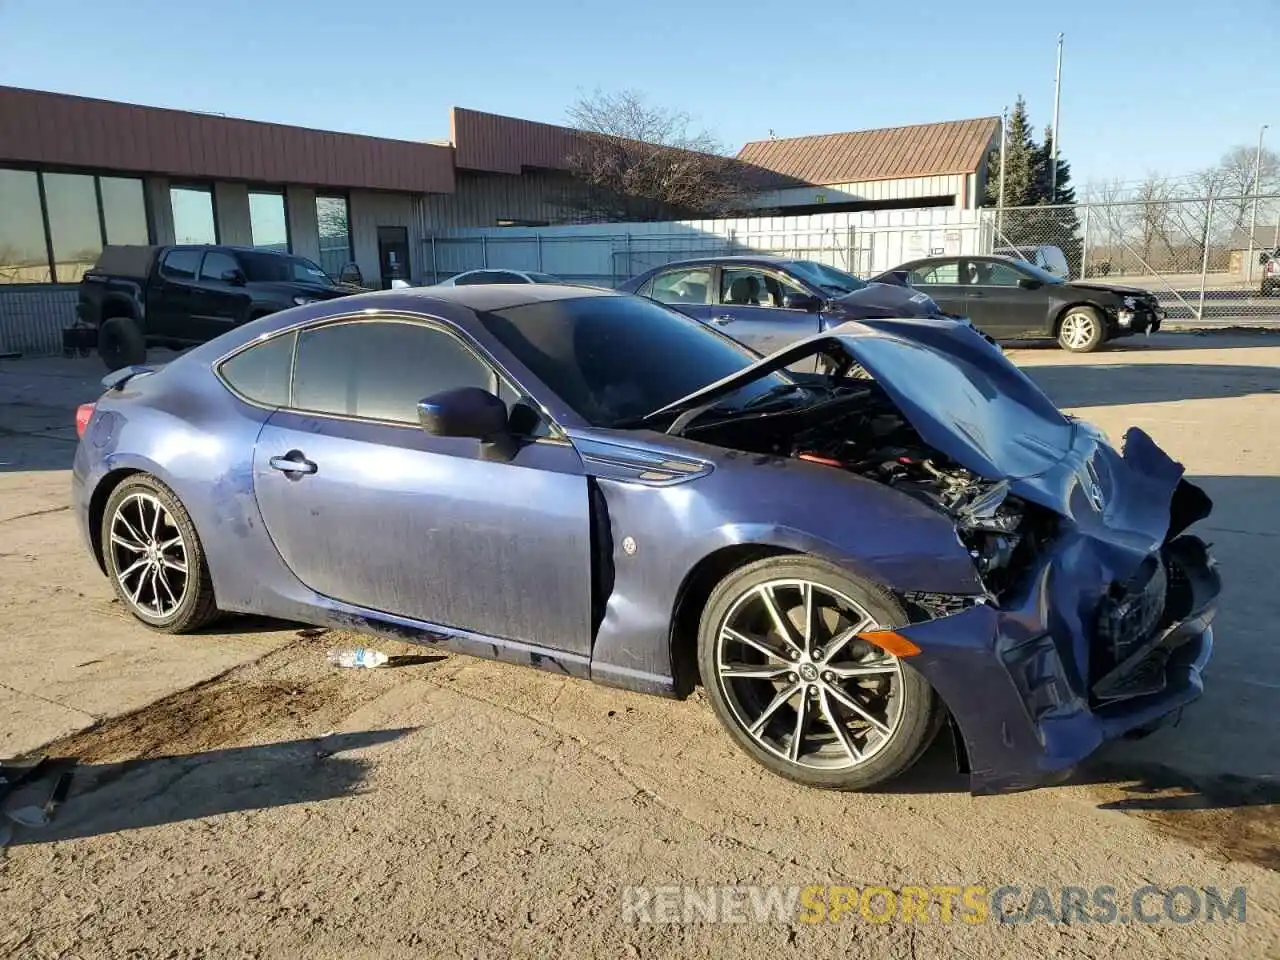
<point x="1028" y="711"/>
<point x="1138" y="320"/>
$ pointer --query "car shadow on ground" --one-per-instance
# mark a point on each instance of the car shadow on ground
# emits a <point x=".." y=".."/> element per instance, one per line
<point x="108" y="798"/>
<point x="1078" y="384"/>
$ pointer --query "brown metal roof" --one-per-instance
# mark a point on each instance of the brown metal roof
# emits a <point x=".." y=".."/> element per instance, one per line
<point x="923" y="150"/>
<point x="53" y="128"/>
<point x="498" y="144"/>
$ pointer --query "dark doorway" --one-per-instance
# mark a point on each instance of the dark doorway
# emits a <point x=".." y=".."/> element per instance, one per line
<point x="393" y="254"/>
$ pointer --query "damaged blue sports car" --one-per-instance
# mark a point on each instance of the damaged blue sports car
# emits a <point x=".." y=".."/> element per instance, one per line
<point x="880" y="533"/>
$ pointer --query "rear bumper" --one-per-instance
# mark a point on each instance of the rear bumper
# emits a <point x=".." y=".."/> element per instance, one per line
<point x="1026" y="708"/>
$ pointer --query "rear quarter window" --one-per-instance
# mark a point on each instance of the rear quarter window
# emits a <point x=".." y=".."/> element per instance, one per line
<point x="261" y="374"/>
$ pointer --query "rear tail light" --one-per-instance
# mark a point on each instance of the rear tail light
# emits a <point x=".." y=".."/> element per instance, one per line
<point x="84" y="413"/>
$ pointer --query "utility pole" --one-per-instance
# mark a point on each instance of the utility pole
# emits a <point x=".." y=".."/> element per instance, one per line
<point x="1053" y="153"/>
<point x="1253" y="218"/>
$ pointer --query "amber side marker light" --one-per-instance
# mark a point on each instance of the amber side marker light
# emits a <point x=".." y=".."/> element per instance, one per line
<point x="890" y="642"/>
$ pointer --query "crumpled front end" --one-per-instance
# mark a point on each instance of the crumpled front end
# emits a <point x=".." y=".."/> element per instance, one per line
<point x="1105" y="633"/>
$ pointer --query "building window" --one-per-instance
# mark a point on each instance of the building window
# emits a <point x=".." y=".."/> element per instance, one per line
<point x="124" y="210"/>
<point x="334" y="225"/>
<point x="193" y="220"/>
<point x="72" y="204"/>
<point x="267" y="223"/>
<point x="54" y="225"/>
<point x="24" y="255"/>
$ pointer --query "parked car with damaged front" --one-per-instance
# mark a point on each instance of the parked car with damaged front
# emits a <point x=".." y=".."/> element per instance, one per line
<point x="768" y="302"/>
<point x="849" y="562"/>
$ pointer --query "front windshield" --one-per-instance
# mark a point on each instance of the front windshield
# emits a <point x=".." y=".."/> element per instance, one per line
<point x="828" y="278"/>
<point x="274" y="268"/>
<point x="615" y="359"/>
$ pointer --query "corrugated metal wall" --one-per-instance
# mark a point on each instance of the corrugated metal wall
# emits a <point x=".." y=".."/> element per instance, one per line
<point x="608" y="253"/>
<point x="481" y="200"/>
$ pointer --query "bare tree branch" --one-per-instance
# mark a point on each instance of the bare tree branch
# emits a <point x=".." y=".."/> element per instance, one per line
<point x="639" y="162"/>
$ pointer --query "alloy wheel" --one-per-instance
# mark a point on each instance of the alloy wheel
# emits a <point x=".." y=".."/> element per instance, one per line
<point x="800" y="682"/>
<point x="1077" y="330"/>
<point x="150" y="556"/>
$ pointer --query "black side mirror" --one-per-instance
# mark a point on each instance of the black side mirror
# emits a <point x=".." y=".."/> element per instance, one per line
<point x="1029" y="283"/>
<point x="351" y="274"/>
<point x="235" y="276"/>
<point x="802" y="301"/>
<point x="464" y="412"/>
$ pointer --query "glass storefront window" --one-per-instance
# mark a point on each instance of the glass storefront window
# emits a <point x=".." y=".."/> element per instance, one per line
<point x="77" y="207"/>
<point x="24" y="258"/>
<point x="334" y="226"/>
<point x="193" y="215"/>
<point x="124" y="210"/>
<point x="267" y="221"/>
<point x="72" y="204"/>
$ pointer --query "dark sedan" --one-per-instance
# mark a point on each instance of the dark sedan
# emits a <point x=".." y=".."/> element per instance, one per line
<point x="1011" y="299"/>
<point x="769" y="302"/>
<point x="602" y="487"/>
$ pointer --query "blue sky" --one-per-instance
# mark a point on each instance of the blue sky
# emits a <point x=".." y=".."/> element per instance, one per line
<point x="1166" y="86"/>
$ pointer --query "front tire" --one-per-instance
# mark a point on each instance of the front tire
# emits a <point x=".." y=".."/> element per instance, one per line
<point x="154" y="558"/>
<point x="797" y="690"/>
<point x="1081" y="330"/>
<point x="121" y="343"/>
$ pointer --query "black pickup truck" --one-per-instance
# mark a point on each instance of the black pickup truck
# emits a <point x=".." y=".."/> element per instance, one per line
<point x="137" y="296"/>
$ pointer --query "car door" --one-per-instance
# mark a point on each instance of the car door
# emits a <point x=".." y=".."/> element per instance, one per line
<point x="368" y="509"/>
<point x="751" y="308"/>
<point x="169" y="302"/>
<point x="218" y="304"/>
<point x="997" y="305"/>
<point x="940" y="279"/>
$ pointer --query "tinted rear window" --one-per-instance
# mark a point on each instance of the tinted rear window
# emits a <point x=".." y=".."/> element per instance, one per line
<point x="613" y="359"/>
<point x="262" y="372"/>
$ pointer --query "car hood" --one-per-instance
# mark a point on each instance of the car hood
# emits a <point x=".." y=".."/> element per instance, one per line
<point x="969" y="402"/>
<point x="956" y="389"/>
<point x="884" y="300"/>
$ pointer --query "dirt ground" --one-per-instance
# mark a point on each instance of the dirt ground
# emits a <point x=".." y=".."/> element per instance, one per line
<point x="448" y="806"/>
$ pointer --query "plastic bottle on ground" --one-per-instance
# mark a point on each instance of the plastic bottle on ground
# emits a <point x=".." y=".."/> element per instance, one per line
<point x="358" y="657"/>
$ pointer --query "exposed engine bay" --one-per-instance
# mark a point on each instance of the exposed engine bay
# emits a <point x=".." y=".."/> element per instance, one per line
<point x="859" y="429"/>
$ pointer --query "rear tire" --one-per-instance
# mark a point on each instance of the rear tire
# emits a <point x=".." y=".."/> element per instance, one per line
<point x="1081" y="330"/>
<point x="121" y="343"/>
<point x="154" y="557"/>
<point x="1268" y="288"/>
<point x="863" y="715"/>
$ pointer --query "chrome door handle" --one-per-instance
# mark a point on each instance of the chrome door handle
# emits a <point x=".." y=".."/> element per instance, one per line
<point x="292" y="462"/>
<point x="723" y="319"/>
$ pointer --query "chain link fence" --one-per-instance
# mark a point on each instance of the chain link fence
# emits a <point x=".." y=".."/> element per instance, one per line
<point x="1211" y="258"/>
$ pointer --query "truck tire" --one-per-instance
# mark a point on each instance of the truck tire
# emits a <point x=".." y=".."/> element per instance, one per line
<point x="120" y="343"/>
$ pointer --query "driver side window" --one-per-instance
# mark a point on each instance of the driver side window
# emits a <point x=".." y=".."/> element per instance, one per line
<point x="999" y="275"/>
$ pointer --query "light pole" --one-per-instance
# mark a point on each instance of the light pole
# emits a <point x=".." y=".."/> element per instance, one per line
<point x="1253" y="217"/>
<point x="1057" y="100"/>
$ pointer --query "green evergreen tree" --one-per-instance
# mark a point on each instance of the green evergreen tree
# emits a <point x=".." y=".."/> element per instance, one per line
<point x="1021" y="156"/>
<point x="1027" y="187"/>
